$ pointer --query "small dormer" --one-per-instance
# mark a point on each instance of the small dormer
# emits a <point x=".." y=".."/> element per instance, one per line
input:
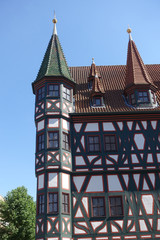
<point x="95" y="86"/>
<point x="140" y="92"/>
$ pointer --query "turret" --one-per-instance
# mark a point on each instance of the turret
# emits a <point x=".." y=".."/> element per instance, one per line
<point x="53" y="88"/>
<point x="140" y="91"/>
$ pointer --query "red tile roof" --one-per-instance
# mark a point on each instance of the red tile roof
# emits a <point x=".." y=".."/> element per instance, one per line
<point x="113" y="80"/>
<point x="136" y="72"/>
<point x="97" y="87"/>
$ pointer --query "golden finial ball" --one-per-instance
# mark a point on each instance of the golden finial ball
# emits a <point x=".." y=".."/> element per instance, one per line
<point x="129" y="30"/>
<point x="54" y="20"/>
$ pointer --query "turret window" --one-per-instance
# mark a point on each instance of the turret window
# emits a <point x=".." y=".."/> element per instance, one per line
<point x="65" y="203"/>
<point x="67" y="93"/>
<point x="53" y="202"/>
<point x="143" y="97"/>
<point x="41" y="204"/>
<point x="53" y="140"/>
<point x="40" y="142"/>
<point x="53" y="90"/>
<point x="66" y="142"/>
<point x="41" y="93"/>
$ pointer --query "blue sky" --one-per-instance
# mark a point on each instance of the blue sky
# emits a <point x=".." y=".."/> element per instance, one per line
<point x="86" y="29"/>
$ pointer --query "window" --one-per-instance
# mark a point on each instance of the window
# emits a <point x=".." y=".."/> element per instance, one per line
<point x="98" y="207"/>
<point x="53" y="140"/>
<point x="53" y="90"/>
<point x="110" y="142"/>
<point x="143" y="97"/>
<point x="52" y="202"/>
<point x="93" y="143"/>
<point x="97" y="101"/>
<point x="41" y="93"/>
<point x="40" y="144"/>
<point x="65" y="203"/>
<point x="133" y="100"/>
<point x="66" y="142"/>
<point x="153" y="98"/>
<point x="40" y="204"/>
<point x="116" y="208"/>
<point x="66" y="93"/>
<point x="90" y="84"/>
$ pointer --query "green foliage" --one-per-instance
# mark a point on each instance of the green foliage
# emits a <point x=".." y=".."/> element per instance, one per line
<point x="17" y="216"/>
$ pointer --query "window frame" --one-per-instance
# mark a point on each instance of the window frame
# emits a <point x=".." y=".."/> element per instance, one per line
<point x="66" y="143"/>
<point x="115" y="142"/>
<point x="66" y="96"/>
<point x="48" y="90"/>
<point x="90" y="84"/>
<point x="52" y="203"/>
<point x="41" y="95"/>
<point x="42" y="142"/>
<point x="56" y="140"/>
<point x="140" y="98"/>
<point x="132" y="99"/>
<point x="88" y="143"/>
<point x="94" y="101"/>
<point x="40" y="206"/>
<point x="153" y="97"/>
<point x="64" y="204"/>
<point x="116" y="206"/>
<point x="98" y="207"/>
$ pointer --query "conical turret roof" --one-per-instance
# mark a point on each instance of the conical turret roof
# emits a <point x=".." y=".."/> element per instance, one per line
<point x="136" y="71"/>
<point x="54" y="62"/>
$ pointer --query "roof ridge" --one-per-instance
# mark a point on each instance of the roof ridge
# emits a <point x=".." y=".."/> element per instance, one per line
<point x="64" y="59"/>
<point x="49" y="59"/>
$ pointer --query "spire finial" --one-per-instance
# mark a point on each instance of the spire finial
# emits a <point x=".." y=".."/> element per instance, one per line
<point x="54" y="21"/>
<point x="93" y="60"/>
<point x="129" y="32"/>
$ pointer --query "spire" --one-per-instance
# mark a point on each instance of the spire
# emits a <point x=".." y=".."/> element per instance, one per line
<point x="93" y="70"/>
<point x="54" y="62"/>
<point x="54" y="21"/>
<point x="136" y="71"/>
<point x="94" y="76"/>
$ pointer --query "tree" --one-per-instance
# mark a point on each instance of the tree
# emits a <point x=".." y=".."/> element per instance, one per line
<point x="17" y="216"/>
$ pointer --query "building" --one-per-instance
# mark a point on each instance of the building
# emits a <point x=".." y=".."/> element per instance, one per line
<point x="97" y="148"/>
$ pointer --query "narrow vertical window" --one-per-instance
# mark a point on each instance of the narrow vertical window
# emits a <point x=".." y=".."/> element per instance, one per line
<point x="65" y="203"/>
<point x="53" y="203"/>
<point x="40" y="142"/>
<point x="93" y="143"/>
<point x="98" y="207"/>
<point x="66" y="93"/>
<point x="53" y="140"/>
<point x="153" y="97"/>
<point x="90" y="84"/>
<point x="41" y="93"/>
<point x="41" y="204"/>
<point x="132" y="97"/>
<point x="66" y="142"/>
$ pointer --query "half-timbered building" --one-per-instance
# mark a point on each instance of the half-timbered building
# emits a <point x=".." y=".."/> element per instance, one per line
<point x="97" y="148"/>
